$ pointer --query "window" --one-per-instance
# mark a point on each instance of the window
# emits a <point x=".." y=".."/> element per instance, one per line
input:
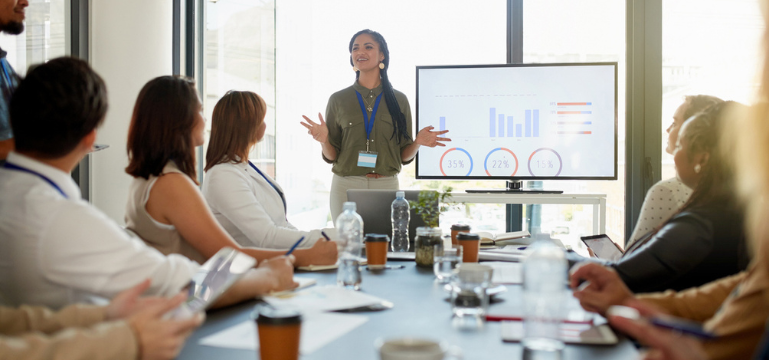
<point x="708" y="47"/>
<point x="45" y="35"/>
<point x="312" y="62"/>
<point x="239" y="54"/>
<point x="581" y="31"/>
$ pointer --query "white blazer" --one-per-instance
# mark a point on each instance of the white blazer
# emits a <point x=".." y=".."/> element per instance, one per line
<point x="250" y="209"/>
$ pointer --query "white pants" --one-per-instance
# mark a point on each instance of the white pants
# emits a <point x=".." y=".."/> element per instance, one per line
<point x="340" y="185"/>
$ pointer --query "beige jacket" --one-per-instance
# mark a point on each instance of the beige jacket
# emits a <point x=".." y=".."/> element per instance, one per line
<point x="76" y="332"/>
<point x="735" y="308"/>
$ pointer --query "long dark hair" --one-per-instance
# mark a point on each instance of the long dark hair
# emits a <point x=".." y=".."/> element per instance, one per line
<point x="399" y="120"/>
<point x="161" y="127"/>
<point x="234" y="127"/>
<point x="716" y="186"/>
<point x="703" y="134"/>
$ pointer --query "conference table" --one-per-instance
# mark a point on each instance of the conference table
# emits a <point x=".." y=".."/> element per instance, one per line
<point x="420" y="310"/>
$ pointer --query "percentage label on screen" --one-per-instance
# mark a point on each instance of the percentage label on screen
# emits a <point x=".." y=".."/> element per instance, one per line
<point x="545" y="162"/>
<point x="455" y="164"/>
<point x="501" y="162"/>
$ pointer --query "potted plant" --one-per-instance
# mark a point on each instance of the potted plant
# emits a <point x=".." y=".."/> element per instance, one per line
<point x="429" y="206"/>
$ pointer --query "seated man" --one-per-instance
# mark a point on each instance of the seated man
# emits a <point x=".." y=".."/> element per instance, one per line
<point x="134" y="329"/>
<point x="55" y="248"/>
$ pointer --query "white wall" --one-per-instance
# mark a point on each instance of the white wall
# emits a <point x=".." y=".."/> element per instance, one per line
<point x="131" y="43"/>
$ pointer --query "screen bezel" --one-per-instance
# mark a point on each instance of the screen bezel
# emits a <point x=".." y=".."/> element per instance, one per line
<point x="515" y="178"/>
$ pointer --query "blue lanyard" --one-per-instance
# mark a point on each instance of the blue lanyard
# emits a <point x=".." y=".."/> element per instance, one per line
<point x="271" y="184"/>
<point x="3" y="61"/>
<point x="8" y="165"/>
<point x="369" y="125"/>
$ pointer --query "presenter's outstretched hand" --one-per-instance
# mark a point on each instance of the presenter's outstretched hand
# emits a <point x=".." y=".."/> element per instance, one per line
<point x="602" y="288"/>
<point x="429" y="138"/>
<point x="318" y="131"/>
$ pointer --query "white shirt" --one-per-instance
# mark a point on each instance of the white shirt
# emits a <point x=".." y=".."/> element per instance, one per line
<point x="662" y="201"/>
<point x="250" y="209"/>
<point x="57" y="250"/>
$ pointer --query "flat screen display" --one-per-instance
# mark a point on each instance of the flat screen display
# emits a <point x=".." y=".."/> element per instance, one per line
<point x="524" y="121"/>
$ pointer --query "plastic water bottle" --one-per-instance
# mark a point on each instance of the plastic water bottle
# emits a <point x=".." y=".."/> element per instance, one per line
<point x="545" y="274"/>
<point x="400" y="218"/>
<point x="349" y="226"/>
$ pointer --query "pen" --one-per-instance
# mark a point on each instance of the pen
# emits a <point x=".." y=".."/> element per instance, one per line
<point x="583" y="285"/>
<point x="324" y="235"/>
<point x="388" y="267"/>
<point x="294" y="247"/>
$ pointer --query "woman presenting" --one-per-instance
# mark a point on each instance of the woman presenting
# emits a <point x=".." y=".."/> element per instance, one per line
<point x="366" y="134"/>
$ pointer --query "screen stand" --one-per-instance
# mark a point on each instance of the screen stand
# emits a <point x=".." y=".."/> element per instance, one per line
<point x="515" y="187"/>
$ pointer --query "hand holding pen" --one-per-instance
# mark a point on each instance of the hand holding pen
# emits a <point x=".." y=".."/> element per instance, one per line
<point x="295" y="245"/>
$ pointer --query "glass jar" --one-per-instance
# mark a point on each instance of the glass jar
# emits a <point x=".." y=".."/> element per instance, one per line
<point x="424" y="242"/>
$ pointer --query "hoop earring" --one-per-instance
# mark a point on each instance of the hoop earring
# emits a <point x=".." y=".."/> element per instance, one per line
<point x="697" y="168"/>
<point x="381" y="65"/>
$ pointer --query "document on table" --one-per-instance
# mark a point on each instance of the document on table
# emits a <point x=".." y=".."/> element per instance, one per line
<point x="324" y="298"/>
<point x="318" y="329"/>
<point x="501" y="255"/>
<point x="506" y="272"/>
<point x="303" y="283"/>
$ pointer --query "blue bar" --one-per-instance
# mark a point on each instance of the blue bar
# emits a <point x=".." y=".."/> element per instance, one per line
<point x="587" y="112"/>
<point x="501" y="131"/>
<point x="518" y="130"/>
<point x="492" y="125"/>
<point x="528" y="123"/>
<point x="443" y="123"/>
<point x="589" y="103"/>
<point x="536" y="123"/>
<point x="510" y="126"/>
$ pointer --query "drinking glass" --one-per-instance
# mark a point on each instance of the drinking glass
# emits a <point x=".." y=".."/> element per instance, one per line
<point x="445" y="262"/>
<point x="468" y="291"/>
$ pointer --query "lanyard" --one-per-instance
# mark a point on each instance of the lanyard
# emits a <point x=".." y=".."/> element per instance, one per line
<point x="3" y="61"/>
<point x="271" y="184"/>
<point x="8" y="165"/>
<point x="369" y="125"/>
<point x="7" y="85"/>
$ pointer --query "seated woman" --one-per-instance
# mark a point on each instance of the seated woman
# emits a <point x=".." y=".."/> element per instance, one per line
<point x="705" y="240"/>
<point x="248" y="203"/>
<point x="165" y="206"/>
<point x="667" y="196"/>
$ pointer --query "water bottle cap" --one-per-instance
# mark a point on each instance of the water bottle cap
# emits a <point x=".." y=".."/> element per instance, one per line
<point x="400" y="194"/>
<point x="349" y="206"/>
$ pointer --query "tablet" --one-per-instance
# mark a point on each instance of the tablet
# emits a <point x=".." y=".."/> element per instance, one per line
<point x="603" y="247"/>
<point x="570" y="333"/>
<point x="213" y="279"/>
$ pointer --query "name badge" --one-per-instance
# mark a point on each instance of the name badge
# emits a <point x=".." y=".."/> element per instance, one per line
<point x="367" y="159"/>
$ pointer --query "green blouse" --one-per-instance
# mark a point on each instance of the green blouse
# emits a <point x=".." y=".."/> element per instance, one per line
<point x="347" y="132"/>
